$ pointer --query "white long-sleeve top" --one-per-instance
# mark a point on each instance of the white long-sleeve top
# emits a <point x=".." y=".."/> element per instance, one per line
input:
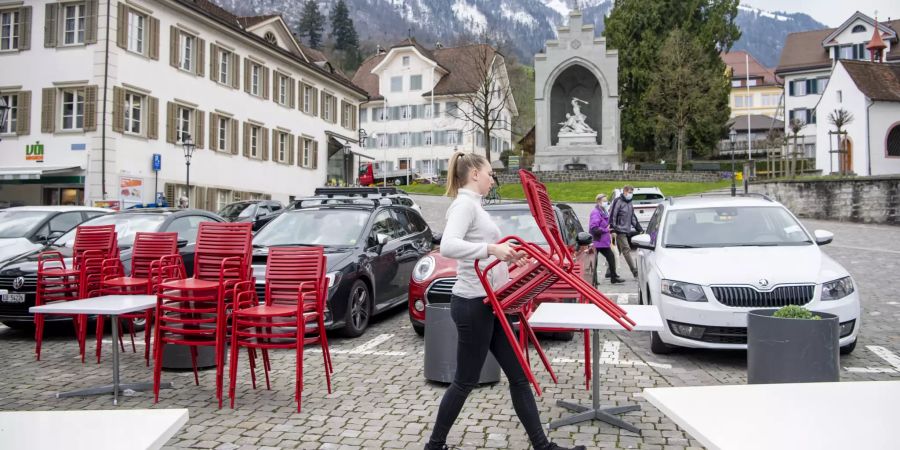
<point x="466" y="236"/>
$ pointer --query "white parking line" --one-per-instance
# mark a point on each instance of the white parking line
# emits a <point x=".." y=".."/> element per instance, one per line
<point x="366" y="348"/>
<point x="609" y="354"/>
<point x="866" y="249"/>
<point x="884" y="354"/>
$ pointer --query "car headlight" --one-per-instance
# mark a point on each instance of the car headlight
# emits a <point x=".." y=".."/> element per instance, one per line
<point x="424" y="268"/>
<point x="685" y="291"/>
<point x="333" y="279"/>
<point x="837" y="289"/>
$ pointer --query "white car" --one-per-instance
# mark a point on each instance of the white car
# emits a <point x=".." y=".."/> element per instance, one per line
<point x="26" y="228"/>
<point x="706" y="261"/>
<point x="645" y="200"/>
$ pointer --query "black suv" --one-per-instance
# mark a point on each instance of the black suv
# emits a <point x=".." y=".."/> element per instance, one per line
<point x="257" y="212"/>
<point x="371" y="245"/>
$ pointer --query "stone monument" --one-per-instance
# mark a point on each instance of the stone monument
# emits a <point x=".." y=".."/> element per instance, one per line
<point x="576" y="101"/>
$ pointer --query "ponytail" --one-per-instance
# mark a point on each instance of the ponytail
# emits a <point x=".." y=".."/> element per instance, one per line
<point x="461" y="164"/>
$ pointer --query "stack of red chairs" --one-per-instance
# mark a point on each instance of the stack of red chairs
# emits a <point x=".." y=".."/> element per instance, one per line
<point x="148" y="252"/>
<point x="194" y="311"/>
<point x="57" y="282"/>
<point x="293" y="314"/>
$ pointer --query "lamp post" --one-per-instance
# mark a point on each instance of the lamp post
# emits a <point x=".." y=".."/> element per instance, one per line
<point x="188" y="145"/>
<point x="4" y="110"/>
<point x="732" y="135"/>
<point x="361" y="136"/>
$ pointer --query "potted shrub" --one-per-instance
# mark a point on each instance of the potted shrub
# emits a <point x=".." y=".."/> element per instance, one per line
<point x="792" y="345"/>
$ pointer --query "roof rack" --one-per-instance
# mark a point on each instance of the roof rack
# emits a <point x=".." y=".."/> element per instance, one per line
<point x="344" y="200"/>
<point x="724" y="194"/>
<point x="356" y="191"/>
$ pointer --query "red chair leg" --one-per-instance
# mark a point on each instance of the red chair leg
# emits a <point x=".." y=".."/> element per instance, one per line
<point x="147" y="321"/>
<point x="121" y="333"/>
<point x="157" y="367"/>
<point x="81" y="334"/>
<point x="251" y="357"/>
<point x="587" y="359"/>
<point x="38" y="334"/>
<point x="266" y="367"/>
<point x="98" y="331"/>
<point x="298" y="367"/>
<point x="232" y="368"/>
<point x="194" y="365"/>
<point x="537" y="346"/>
<point x="131" y="330"/>
<point x="511" y="337"/>
<point x="323" y="342"/>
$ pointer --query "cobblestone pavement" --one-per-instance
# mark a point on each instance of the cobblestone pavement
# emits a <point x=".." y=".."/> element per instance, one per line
<point x="380" y="399"/>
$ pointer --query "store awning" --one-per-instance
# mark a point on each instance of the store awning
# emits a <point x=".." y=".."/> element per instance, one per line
<point x="334" y="145"/>
<point x="36" y="173"/>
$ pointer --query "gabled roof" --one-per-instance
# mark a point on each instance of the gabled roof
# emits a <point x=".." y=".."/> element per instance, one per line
<point x="250" y="21"/>
<point x="757" y="122"/>
<point x="878" y="81"/>
<point x="891" y="34"/>
<point x="806" y="51"/>
<point x="737" y="62"/>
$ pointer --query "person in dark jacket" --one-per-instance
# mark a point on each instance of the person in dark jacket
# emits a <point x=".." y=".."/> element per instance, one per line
<point x="625" y="224"/>
<point x="599" y="228"/>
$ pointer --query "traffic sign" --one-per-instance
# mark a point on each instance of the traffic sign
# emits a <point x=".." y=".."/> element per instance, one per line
<point x="157" y="162"/>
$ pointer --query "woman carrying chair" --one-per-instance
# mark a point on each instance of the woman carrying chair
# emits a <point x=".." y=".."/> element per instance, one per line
<point x="470" y="234"/>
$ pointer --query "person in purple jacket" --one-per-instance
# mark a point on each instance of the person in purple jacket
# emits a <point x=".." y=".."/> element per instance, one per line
<point x="599" y="228"/>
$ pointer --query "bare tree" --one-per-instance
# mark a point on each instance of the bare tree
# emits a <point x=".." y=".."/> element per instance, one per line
<point x="796" y="126"/>
<point x="841" y="118"/>
<point x="486" y="96"/>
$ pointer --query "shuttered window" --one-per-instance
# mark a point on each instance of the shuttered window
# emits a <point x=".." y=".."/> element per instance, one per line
<point x="186" y="51"/>
<point x="15" y="29"/>
<point x="18" y="116"/>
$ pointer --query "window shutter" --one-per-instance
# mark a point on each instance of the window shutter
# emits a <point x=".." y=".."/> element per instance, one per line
<point x="246" y="142"/>
<point x="292" y="88"/>
<point x="315" y="155"/>
<point x="90" y="108"/>
<point x="265" y="83"/>
<point x="153" y="51"/>
<point x="169" y="189"/>
<point x="791" y="88"/>
<point x="23" y="122"/>
<point x="91" y="10"/>
<point x="213" y="62"/>
<point x="264" y="135"/>
<point x="174" y="48"/>
<point x="290" y="146"/>
<point x="246" y="75"/>
<point x="235" y="71"/>
<point x="121" y="26"/>
<point x="234" y="136"/>
<point x="210" y="199"/>
<point x="170" y="123"/>
<point x="118" y="116"/>
<point x="314" y="95"/>
<point x="25" y="28"/>
<point x="51" y="14"/>
<point x="274" y="87"/>
<point x="201" y="56"/>
<point x="213" y="131"/>
<point x="334" y="112"/>
<point x="153" y="118"/>
<point x="198" y="128"/>
<point x="324" y="99"/>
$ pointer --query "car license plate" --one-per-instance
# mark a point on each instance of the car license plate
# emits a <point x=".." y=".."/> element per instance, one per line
<point x="12" y="298"/>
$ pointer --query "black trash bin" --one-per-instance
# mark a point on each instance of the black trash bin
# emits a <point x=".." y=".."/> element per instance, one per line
<point x="178" y="357"/>
<point x="440" y="348"/>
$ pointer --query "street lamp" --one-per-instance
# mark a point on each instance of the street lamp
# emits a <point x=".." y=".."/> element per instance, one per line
<point x="188" y="145"/>
<point x="4" y="110"/>
<point x="732" y="136"/>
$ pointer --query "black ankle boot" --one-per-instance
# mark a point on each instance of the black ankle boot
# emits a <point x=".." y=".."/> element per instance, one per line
<point x="553" y="446"/>
<point x="436" y="447"/>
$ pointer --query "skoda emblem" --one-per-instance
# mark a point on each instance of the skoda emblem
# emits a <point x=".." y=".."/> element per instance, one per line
<point x="18" y="283"/>
<point x="763" y="282"/>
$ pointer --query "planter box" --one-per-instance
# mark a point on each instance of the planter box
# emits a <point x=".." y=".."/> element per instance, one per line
<point x="792" y="350"/>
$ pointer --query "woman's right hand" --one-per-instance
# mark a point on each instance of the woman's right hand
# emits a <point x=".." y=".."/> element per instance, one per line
<point x="505" y="252"/>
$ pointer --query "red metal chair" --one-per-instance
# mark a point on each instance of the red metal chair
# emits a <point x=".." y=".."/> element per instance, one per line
<point x="293" y="315"/>
<point x="147" y="251"/>
<point x="194" y="311"/>
<point x="57" y="282"/>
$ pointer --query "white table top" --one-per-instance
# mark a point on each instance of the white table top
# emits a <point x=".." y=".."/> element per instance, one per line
<point x="90" y="430"/>
<point x="106" y="305"/>
<point x="821" y="416"/>
<point x="588" y="316"/>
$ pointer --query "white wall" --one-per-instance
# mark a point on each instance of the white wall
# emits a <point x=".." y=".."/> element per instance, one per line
<point x="853" y="101"/>
<point x="883" y="116"/>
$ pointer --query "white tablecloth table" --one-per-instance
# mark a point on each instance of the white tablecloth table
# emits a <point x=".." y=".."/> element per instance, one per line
<point x="585" y="316"/>
<point x="90" y="430"/>
<point x="795" y="416"/>
<point x="106" y="305"/>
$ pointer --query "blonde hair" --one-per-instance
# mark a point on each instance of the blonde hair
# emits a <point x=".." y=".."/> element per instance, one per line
<point x="461" y="164"/>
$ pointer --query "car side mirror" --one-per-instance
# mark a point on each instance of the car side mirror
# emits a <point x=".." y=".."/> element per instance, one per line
<point x="182" y="243"/>
<point x="823" y="237"/>
<point x="642" y="241"/>
<point x="436" y="238"/>
<point x="50" y="237"/>
<point x="583" y="238"/>
<point x="382" y="240"/>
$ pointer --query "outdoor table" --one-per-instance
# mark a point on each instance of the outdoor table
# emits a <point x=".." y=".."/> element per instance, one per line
<point x="90" y="430"/>
<point x="107" y="305"/>
<point x="821" y="416"/>
<point x="579" y="316"/>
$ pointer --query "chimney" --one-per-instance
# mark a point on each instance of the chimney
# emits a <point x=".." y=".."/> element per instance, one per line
<point x="379" y="50"/>
<point x="438" y="45"/>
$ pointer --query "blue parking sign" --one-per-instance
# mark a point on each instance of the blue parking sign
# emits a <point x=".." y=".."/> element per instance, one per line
<point x="157" y="162"/>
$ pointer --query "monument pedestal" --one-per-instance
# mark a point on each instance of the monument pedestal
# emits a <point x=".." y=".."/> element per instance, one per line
<point x="593" y="156"/>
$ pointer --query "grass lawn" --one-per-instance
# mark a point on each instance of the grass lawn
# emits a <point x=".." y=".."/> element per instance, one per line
<point x="586" y="191"/>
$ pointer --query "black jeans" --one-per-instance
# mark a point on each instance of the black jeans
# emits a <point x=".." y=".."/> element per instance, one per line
<point x="610" y="261"/>
<point x="480" y="331"/>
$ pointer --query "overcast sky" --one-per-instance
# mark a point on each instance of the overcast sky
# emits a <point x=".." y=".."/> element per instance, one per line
<point x="831" y="12"/>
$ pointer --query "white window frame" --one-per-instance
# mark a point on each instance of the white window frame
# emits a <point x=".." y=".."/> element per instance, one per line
<point x="451" y="137"/>
<point x="307" y="98"/>
<point x="345" y="115"/>
<point x="306" y="157"/>
<point x="735" y="83"/>
<point x="9" y="31"/>
<point x="184" y="123"/>
<point x="394" y="81"/>
<point x="282" y="90"/>
<point x="411" y="86"/>
<point x="223" y="133"/>
<point x="255" y="78"/>
<point x="78" y="22"/>
<point x="78" y="95"/>
<point x="253" y="139"/>
<point x="326" y="111"/>
<point x="427" y="137"/>
<point x="188" y="44"/>
<point x="223" y="198"/>
<point x="404" y="112"/>
<point x="224" y="68"/>
<point x="799" y="88"/>
<point x="404" y="139"/>
<point x="134" y="103"/>
<point x="282" y="147"/>
<point x="136" y="30"/>
<point x="405" y="61"/>
<point x="9" y="125"/>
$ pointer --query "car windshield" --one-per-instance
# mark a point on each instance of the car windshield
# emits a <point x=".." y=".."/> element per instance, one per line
<point x="647" y="198"/>
<point x="325" y="227"/>
<point x="238" y="210"/>
<point x="15" y="224"/>
<point x="733" y="227"/>
<point x="126" y="226"/>
<point x="517" y="223"/>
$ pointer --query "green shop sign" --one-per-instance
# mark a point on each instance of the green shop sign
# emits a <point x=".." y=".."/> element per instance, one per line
<point x="34" y="152"/>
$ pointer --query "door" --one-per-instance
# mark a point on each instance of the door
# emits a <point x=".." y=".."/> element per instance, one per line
<point x="645" y="258"/>
<point x="384" y="262"/>
<point x="584" y="254"/>
<point x="412" y="239"/>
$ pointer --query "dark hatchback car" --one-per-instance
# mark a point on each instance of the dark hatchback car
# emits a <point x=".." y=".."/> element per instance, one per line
<point x="371" y="245"/>
<point x="257" y="212"/>
<point x="19" y="275"/>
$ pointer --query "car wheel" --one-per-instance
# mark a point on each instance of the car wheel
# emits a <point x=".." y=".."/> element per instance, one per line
<point x="847" y="349"/>
<point x="564" y="336"/>
<point x="657" y="346"/>
<point x="420" y="329"/>
<point x="17" y="325"/>
<point x="398" y="181"/>
<point x="139" y="324"/>
<point x="359" y="310"/>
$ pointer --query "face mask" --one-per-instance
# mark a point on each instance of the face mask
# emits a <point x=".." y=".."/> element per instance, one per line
<point x="628" y="196"/>
<point x="604" y="205"/>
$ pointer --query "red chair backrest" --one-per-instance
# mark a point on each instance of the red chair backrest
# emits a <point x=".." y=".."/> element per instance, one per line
<point x="217" y="241"/>
<point x="288" y="268"/>
<point x="100" y="240"/>
<point x="544" y="214"/>
<point x="149" y="247"/>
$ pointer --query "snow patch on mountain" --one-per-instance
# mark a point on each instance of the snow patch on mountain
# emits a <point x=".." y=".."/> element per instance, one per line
<point x="469" y="14"/>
